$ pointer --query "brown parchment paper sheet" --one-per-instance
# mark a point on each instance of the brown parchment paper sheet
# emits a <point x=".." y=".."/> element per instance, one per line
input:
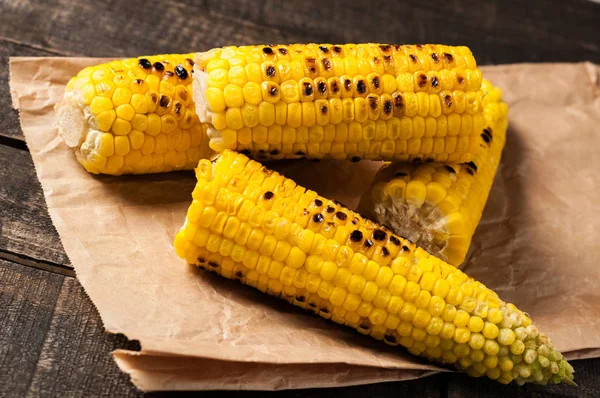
<point x="535" y="245"/>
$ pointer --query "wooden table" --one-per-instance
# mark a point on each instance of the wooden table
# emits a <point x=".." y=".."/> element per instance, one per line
<point x="51" y="338"/>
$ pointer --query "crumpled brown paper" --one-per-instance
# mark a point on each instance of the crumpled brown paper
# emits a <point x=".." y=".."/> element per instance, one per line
<point x="536" y="245"/>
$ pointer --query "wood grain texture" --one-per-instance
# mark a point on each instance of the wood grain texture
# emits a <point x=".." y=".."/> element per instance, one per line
<point x="27" y="299"/>
<point x="498" y="31"/>
<point x="9" y="119"/>
<point x="27" y="234"/>
<point x="75" y="358"/>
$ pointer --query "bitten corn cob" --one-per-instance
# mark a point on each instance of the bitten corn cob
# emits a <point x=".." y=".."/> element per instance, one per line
<point x="134" y="116"/>
<point x="249" y="223"/>
<point x="348" y="101"/>
<point x="438" y="205"/>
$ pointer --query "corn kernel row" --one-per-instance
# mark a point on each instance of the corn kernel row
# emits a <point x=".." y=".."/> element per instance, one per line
<point x="240" y="88"/>
<point x="249" y="223"/>
<point x="139" y="116"/>
<point x="437" y="205"/>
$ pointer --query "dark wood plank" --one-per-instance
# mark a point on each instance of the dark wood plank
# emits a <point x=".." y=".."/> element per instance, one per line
<point x="9" y="122"/>
<point x="75" y="358"/>
<point x="498" y="31"/>
<point x="27" y="235"/>
<point x="586" y="376"/>
<point x="27" y="299"/>
<point x="126" y="28"/>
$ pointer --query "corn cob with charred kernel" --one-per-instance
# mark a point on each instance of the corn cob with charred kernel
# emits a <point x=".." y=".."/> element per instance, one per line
<point x="134" y="116"/>
<point x="348" y="101"/>
<point x="249" y="223"/>
<point x="438" y="205"/>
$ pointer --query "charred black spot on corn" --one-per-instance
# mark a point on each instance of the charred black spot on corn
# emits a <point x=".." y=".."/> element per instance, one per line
<point x="435" y="57"/>
<point x="373" y="101"/>
<point x="324" y="49"/>
<point x="266" y="171"/>
<point x="448" y="100"/>
<point x="434" y="82"/>
<point x="450" y="169"/>
<point x="422" y="80"/>
<point x="385" y="252"/>
<point x="375" y="82"/>
<point x="144" y="63"/>
<point x="159" y="66"/>
<point x="405" y="249"/>
<point x="201" y="259"/>
<point x="300" y="153"/>
<point x="334" y="87"/>
<point x="356" y="235"/>
<point x="268" y="195"/>
<point x="379" y="235"/>
<point x="181" y="72"/>
<point x="282" y="50"/>
<point x="330" y="209"/>
<point x="213" y="264"/>
<point x="168" y="74"/>
<point x="347" y="84"/>
<point x="387" y="107"/>
<point x="311" y="65"/>
<point x="337" y="49"/>
<point x="385" y="48"/>
<point x="305" y="212"/>
<point x="308" y="89"/>
<point x="355" y="159"/>
<point x="341" y="215"/>
<point x="460" y="79"/>
<point x="165" y="101"/>
<point x="395" y="240"/>
<point x="178" y="108"/>
<point x="361" y="86"/>
<point x="322" y="87"/>
<point x="390" y="338"/>
<point x="273" y="91"/>
<point x="470" y="171"/>
<point x="270" y="71"/>
<point x="400" y="174"/>
<point x="326" y="64"/>
<point x="413" y="58"/>
<point x="239" y="274"/>
<point x="325" y="310"/>
<point x="267" y="50"/>
<point x="318" y="202"/>
<point x="485" y="138"/>
<point x="368" y="243"/>
<point x="448" y="57"/>
<point x="301" y="299"/>
<point x="318" y="218"/>
<point x="472" y="165"/>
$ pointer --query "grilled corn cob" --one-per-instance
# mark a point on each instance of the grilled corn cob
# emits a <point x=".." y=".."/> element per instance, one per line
<point x="348" y="101"/>
<point x="133" y="116"/>
<point x="438" y="205"/>
<point x="249" y="223"/>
